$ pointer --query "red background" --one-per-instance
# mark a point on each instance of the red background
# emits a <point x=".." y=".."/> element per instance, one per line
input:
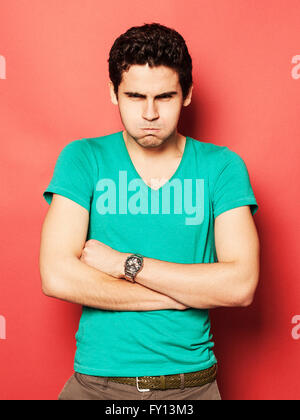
<point x="246" y="96"/>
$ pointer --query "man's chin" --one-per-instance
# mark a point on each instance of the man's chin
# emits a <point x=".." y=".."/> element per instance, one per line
<point x="150" y="141"/>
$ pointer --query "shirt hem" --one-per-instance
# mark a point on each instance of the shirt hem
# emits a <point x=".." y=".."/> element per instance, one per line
<point x="246" y="201"/>
<point x="65" y="193"/>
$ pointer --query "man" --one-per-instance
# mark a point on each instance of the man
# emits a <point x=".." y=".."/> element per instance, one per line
<point x="148" y="230"/>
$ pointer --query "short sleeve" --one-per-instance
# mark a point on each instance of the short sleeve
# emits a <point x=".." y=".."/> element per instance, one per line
<point x="73" y="174"/>
<point x="232" y="186"/>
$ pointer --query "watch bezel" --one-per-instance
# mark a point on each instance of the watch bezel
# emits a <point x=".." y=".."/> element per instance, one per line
<point x="129" y="273"/>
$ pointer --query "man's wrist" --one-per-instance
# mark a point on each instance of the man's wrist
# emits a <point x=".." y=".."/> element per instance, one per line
<point x="122" y="259"/>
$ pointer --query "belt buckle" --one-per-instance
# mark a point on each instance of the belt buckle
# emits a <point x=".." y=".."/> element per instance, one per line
<point x="137" y="386"/>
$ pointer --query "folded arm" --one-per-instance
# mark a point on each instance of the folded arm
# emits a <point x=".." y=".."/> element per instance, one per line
<point x="229" y="282"/>
<point x="65" y="276"/>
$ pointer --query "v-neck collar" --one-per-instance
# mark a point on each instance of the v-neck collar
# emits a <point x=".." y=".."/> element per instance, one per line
<point x="185" y="152"/>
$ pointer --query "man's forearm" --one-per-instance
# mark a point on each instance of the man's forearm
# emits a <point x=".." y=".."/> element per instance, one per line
<point x="200" y="286"/>
<point x="74" y="281"/>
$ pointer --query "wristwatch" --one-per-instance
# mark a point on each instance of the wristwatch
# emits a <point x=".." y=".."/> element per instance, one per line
<point x="133" y="264"/>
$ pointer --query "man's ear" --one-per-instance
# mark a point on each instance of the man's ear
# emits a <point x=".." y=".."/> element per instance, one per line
<point x="188" y="99"/>
<point x="113" y="96"/>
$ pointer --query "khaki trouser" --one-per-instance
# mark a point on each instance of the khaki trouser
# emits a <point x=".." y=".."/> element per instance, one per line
<point x="86" y="387"/>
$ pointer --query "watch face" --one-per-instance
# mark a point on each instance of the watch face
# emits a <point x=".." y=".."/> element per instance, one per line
<point x="133" y="264"/>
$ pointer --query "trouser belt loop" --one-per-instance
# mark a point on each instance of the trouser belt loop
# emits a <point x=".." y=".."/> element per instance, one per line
<point x="182" y="381"/>
<point x="163" y="382"/>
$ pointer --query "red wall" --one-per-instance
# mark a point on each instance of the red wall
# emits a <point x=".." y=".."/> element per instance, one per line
<point x="53" y="89"/>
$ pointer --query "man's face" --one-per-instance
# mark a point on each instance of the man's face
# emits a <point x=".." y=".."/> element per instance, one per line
<point x="150" y="98"/>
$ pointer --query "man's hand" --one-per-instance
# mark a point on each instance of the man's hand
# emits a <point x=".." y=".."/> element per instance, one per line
<point x="104" y="258"/>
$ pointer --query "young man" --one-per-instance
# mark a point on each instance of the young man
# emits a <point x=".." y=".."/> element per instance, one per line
<point x="148" y="229"/>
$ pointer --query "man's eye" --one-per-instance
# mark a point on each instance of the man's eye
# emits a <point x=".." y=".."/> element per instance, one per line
<point x="140" y="97"/>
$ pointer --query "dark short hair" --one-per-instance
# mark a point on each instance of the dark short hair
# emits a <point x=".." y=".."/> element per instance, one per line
<point x="154" y="44"/>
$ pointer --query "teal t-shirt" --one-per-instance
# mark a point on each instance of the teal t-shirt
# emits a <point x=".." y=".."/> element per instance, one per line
<point x="174" y="223"/>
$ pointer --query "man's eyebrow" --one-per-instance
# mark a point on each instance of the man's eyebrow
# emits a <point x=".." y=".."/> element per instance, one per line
<point x="139" y="95"/>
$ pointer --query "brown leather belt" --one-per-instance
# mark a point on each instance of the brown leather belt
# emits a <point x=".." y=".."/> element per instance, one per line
<point x="145" y="383"/>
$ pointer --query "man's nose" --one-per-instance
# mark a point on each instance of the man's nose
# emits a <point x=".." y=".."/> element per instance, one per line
<point x="150" y="111"/>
